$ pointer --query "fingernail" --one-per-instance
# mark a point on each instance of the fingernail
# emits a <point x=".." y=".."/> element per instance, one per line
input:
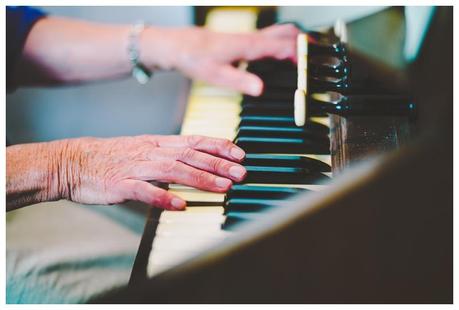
<point x="237" y="153"/>
<point x="255" y="88"/>
<point x="178" y="203"/>
<point x="237" y="172"/>
<point x="222" y="182"/>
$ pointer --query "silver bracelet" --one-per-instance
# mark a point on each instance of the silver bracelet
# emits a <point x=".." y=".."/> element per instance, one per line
<point x="139" y="71"/>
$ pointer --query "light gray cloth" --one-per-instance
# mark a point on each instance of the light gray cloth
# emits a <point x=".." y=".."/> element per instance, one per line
<point x="62" y="252"/>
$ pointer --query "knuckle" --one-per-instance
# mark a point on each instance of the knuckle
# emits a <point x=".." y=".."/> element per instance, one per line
<point x="290" y="27"/>
<point x="168" y="167"/>
<point x="194" y="140"/>
<point x="216" y="164"/>
<point x="186" y="154"/>
<point x="201" y="178"/>
<point x="161" y="200"/>
<point x="226" y="144"/>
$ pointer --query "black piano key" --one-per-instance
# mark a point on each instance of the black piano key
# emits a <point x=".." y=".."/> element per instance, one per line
<point x="249" y="204"/>
<point x="267" y="121"/>
<point x="283" y="145"/>
<point x="286" y="161"/>
<point x="249" y="100"/>
<point x="328" y="66"/>
<point x="318" y="74"/>
<point x="283" y="175"/>
<point x="281" y="121"/>
<point x="257" y="108"/>
<point x="281" y="88"/>
<point x="251" y="192"/>
<point x="266" y="17"/>
<point x="324" y="84"/>
<point x="267" y="67"/>
<point x="249" y="105"/>
<point x="280" y="79"/>
<point x="270" y="65"/>
<point x="266" y="192"/>
<point x="335" y="49"/>
<point x="280" y="94"/>
<point x="233" y="218"/>
<point x="280" y="132"/>
<point x="283" y="91"/>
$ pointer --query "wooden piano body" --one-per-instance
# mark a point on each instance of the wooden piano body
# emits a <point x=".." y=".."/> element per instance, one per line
<point x="381" y="233"/>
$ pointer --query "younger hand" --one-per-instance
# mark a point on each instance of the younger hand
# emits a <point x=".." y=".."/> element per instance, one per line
<point x="208" y="56"/>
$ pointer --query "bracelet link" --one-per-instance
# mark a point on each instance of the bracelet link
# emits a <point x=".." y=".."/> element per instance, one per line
<point x="139" y="71"/>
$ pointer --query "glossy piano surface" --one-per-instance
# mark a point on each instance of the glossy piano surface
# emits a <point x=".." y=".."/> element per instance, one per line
<point x="357" y="138"/>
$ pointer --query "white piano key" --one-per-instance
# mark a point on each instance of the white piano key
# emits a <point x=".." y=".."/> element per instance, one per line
<point x="154" y="268"/>
<point x="231" y="20"/>
<point x="197" y="195"/>
<point x="312" y="187"/>
<point x="184" y="243"/>
<point x="201" y="233"/>
<point x="188" y="229"/>
<point x="201" y="217"/>
<point x="170" y="258"/>
<point x="300" y="107"/>
<point x="322" y="120"/>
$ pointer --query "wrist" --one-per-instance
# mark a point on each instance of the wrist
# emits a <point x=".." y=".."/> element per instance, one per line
<point x="159" y="48"/>
<point x="63" y="170"/>
<point x="31" y="174"/>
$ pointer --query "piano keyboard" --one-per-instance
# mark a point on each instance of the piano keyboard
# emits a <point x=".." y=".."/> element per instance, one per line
<point x="281" y="159"/>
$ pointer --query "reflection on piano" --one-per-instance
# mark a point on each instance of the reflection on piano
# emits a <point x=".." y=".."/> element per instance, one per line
<point x="347" y="208"/>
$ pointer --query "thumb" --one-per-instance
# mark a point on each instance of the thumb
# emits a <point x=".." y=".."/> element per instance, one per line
<point x="154" y="196"/>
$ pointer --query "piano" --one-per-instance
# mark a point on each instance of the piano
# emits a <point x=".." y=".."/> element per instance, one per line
<point x="349" y="208"/>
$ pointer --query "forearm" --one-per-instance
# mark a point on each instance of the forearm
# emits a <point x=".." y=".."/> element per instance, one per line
<point x="67" y="51"/>
<point x="32" y="173"/>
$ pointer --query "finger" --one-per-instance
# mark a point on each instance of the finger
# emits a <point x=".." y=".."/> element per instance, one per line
<point x="202" y="161"/>
<point x="173" y="171"/>
<point x="262" y="46"/>
<point x="154" y="196"/>
<point x="187" y="175"/>
<point x="228" y="76"/>
<point x="284" y="30"/>
<point x="212" y="164"/>
<point x="215" y="146"/>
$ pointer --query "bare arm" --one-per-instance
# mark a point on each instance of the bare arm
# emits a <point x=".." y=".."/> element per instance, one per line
<point x="68" y="51"/>
<point x="62" y="51"/>
<point x="27" y="173"/>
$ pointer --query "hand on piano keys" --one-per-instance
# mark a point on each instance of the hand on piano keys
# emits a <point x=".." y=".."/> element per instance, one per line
<point x="109" y="171"/>
<point x="208" y="55"/>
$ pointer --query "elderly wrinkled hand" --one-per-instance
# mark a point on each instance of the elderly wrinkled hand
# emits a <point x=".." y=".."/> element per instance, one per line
<point x="109" y="171"/>
<point x="113" y="170"/>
